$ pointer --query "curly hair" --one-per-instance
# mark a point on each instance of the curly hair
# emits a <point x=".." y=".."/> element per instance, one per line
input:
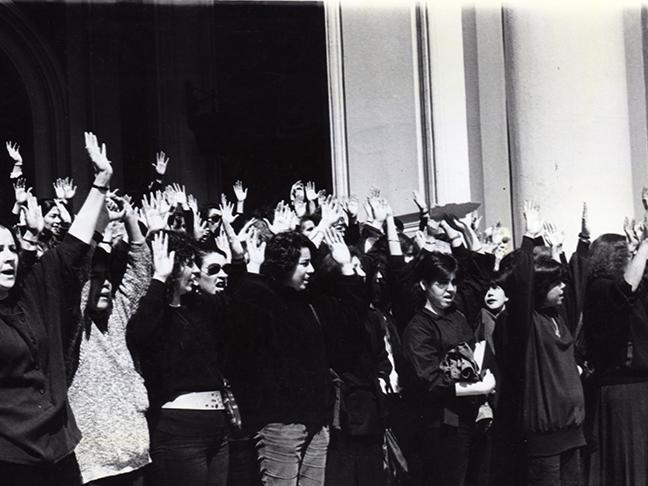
<point x="282" y="255"/>
<point x="609" y="255"/>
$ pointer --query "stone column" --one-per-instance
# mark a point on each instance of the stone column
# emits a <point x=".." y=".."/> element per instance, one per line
<point x="569" y="129"/>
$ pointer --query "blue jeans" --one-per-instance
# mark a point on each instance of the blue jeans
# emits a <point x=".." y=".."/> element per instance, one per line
<point x="292" y="454"/>
<point x="190" y="448"/>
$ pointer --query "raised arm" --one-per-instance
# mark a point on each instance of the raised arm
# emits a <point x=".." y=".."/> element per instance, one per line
<point x="84" y="224"/>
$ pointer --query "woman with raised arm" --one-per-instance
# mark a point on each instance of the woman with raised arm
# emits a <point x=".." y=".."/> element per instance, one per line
<point x="284" y="340"/>
<point x="107" y="394"/>
<point x="541" y="396"/>
<point x="177" y="335"/>
<point x="38" y="432"/>
<point x="615" y="323"/>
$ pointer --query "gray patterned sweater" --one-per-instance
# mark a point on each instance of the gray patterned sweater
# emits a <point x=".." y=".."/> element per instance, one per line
<point x="107" y="394"/>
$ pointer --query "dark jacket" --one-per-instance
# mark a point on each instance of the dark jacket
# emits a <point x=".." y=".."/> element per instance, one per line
<point x="36" y="326"/>
<point x="281" y="348"/>
<point x="535" y="350"/>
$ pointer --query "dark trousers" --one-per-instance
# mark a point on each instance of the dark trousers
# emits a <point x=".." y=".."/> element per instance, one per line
<point x="190" y="448"/>
<point x="559" y="470"/>
<point x="243" y="464"/>
<point x="449" y="450"/>
<point x="63" y="473"/>
<point x="355" y="460"/>
<point x="133" y="478"/>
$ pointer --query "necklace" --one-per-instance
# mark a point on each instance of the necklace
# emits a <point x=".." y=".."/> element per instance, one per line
<point x="556" y="328"/>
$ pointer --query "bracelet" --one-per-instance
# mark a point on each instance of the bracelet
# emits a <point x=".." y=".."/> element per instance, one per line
<point x="101" y="188"/>
<point x="394" y="241"/>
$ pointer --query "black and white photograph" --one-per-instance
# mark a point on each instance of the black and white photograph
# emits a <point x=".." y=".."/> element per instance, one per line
<point x="323" y="243"/>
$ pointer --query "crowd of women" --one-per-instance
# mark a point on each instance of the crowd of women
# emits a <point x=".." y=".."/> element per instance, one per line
<point x="174" y="343"/>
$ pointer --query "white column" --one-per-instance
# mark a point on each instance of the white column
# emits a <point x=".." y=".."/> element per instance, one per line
<point x="568" y="115"/>
<point x="450" y="128"/>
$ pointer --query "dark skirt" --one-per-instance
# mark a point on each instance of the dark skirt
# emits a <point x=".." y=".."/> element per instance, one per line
<point x="620" y="431"/>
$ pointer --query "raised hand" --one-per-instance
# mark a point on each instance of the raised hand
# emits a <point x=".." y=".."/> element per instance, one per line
<point x="456" y="237"/>
<point x="321" y="196"/>
<point x="200" y="227"/>
<point x="552" y="236"/>
<point x="160" y="165"/>
<point x="192" y="202"/>
<point x="227" y="210"/>
<point x="33" y="215"/>
<point x="585" y="230"/>
<point x="630" y="230"/>
<point x="154" y="215"/>
<point x="239" y="191"/>
<point x="99" y="158"/>
<point x="255" y="250"/>
<point x="14" y="152"/>
<point x="20" y="192"/>
<point x="311" y="192"/>
<point x="284" y="219"/>
<point x="532" y="219"/>
<point x="222" y="242"/>
<point x="380" y="208"/>
<point x="339" y="250"/>
<point x="351" y="205"/>
<point x="163" y="259"/>
<point x="419" y="201"/>
<point x="59" y="191"/>
<point x="331" y="212"/>
<point x="116" y="208"/>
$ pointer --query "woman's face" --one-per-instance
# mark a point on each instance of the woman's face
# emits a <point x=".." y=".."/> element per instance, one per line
<point x="307" y="227"/>
<point x="187" y="277"/>
<point x="302" y="272"/>
<point x="8" y="260"/>
<point x="440" y="293"/>
<point x="53" y="220"/>
<point x="212" y="277"/>
<point x="105" y="296"/>
<point x="495" y="298"/>
<point x="555" y="295"/>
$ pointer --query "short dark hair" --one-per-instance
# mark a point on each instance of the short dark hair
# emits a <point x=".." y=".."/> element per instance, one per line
<point x="282" y="255"/>
<point x="185" y="251"/>
<point x="435" y="267"/>
<point x="547" y="273"/>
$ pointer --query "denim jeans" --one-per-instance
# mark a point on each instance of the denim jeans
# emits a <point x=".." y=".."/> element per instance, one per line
<point x="190" y="448"/>
<point x="292" y="454"/>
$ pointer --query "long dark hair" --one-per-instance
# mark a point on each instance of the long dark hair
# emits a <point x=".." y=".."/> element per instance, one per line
<point x="608" y="256"/>
<point x="13" y="292"/>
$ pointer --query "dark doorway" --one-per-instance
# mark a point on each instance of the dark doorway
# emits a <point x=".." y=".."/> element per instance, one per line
<point x="15" y="125"/>
<point x="231" y="91"/>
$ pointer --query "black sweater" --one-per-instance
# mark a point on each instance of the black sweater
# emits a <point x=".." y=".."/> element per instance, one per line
<point x="280" y="351"/>
<point x="616" y="330"/>
<point x="36" y="327"/>
<point x="178" y="348"/>
<point x="540" y="379"/>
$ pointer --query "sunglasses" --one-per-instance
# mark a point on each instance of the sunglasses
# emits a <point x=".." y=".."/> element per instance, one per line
<point x="213" y="269"/>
